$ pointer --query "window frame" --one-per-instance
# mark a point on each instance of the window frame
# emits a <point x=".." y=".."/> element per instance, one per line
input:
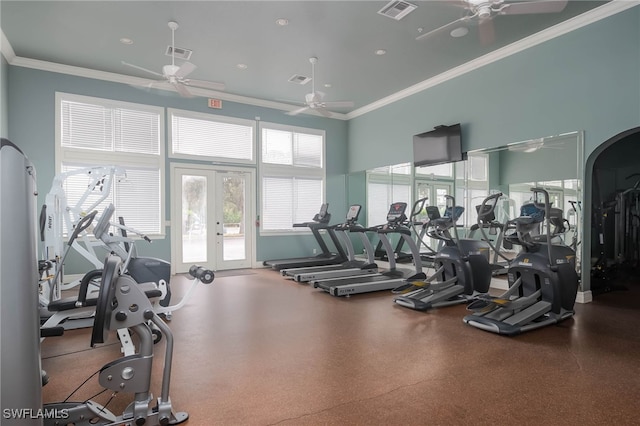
<point x="283" y="171"/>
<point x="216" y="118"/>
<point x="123" y="159"/>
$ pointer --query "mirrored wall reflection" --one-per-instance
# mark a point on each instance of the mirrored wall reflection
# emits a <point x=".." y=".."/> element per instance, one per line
<point x="387" y="185"/>
<point x="553" y="163"/>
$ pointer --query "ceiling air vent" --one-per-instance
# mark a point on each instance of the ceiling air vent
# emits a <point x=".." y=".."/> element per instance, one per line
<point x="397" y="9"/>
<point x="180" y="53"/>
<point x="299" y="79"/>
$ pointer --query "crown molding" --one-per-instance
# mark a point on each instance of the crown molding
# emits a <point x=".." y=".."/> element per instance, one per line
<point x="594" y="15"/>
<point x="5" y="47"/>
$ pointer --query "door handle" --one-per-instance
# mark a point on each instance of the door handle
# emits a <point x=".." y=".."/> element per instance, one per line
<point x="218" y="233"/>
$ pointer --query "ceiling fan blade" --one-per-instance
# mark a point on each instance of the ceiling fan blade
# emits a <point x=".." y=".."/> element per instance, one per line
<point x="185" y="69"/>
<point x="297" y="111"/>
<point x="486" y="32"/>
<point x="212" y="85"/>
<point x="141" y="69"/>
<point x="449" y="26"/>
<point x="338" y="104"/>
<point x="531" y="7"/>
<point x="324" y="112"/>
<point x="182" y="90"/>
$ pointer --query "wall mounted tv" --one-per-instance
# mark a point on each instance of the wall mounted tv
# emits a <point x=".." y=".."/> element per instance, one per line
<point x="441" y="145"/>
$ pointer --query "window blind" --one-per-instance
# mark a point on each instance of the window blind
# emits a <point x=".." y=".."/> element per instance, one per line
<point x="211" y="137"/>
<point x="96" y="131"/>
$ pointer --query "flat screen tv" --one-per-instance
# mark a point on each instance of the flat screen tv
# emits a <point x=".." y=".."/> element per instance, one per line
<point x="438" y="146"/>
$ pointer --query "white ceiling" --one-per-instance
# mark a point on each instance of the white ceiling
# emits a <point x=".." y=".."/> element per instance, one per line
<point x="343" y="35"/>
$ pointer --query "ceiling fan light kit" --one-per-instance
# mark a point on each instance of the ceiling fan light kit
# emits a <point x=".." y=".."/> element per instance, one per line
<point x="484" y="11"/>
<point x="174" y="76"/>
<point x="314" y="100"/>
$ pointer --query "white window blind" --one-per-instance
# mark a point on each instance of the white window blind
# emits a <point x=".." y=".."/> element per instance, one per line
<point x="380" y="196"/>
<point x="292" y="148"/>
<point x="206" y="135"/>
<point x="111" y="129"/>
<point x="445" y="170"/>
<point x="94" y="131"/>
<point x="292" y="175"/>
<point x="289" y="200"/>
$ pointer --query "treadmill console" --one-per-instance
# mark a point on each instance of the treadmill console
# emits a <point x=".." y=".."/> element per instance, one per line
<point x="353" y="213"/>
<point x="396" y="213"/>
<point x="323" y="216"/>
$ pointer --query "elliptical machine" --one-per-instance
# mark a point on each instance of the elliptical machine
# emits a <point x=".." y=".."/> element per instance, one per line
<point x="543" y="282"/>
<point x="463" y="268"/>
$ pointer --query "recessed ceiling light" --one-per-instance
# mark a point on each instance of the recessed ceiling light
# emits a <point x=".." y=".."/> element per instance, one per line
<point x="283" y="22"/>
<point x="380" y="52"/>
<point x="125" y="40"/>
<point x="242" y="66"/>
<point x="459" y="32"/>
<point x="327" y="85"/>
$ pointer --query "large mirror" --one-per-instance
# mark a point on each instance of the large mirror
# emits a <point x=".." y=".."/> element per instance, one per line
<point x="553" y="163"/>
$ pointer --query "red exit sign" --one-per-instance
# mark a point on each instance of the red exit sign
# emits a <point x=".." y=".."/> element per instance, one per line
<point x="215" y="103"/>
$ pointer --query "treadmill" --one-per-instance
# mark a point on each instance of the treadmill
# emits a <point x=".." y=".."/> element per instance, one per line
<point x="327" y="257"/>
<point x="349" y="268"/>
<point x="386" y="280"/>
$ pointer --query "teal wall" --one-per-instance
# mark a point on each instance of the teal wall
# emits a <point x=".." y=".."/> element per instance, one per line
<point x="32" y="114"/>
<point x="4" y="98"/>
<point x="588" y="79"/>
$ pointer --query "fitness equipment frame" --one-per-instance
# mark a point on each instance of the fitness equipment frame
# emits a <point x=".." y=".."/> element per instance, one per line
<point x="462" y="266"/>
<point x="57" y="214"/>
<point x="351" y="267"/>
<point x="386" y="280"/>
<point x="122" y="304"/>
<point x="320" y="221"/>
<point x="543" y="282"/>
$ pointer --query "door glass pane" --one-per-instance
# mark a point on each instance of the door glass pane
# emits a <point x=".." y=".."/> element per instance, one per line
<point x="441" y="201"/>
<point x="194" y="219"/>
<point x="234" y="218"/>
<point x="424" y="190"/>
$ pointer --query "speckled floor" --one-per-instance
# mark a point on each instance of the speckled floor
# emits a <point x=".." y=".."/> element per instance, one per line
<point x="260" y="350"/>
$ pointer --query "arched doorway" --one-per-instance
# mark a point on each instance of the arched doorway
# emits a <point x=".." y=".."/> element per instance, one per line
<point x="614" y="172"/>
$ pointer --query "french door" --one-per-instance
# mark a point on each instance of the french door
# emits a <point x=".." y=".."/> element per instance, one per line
<point x="211" y="218"/>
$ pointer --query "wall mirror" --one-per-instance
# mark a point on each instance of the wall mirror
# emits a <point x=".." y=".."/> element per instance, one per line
<point x="554" y="163"/>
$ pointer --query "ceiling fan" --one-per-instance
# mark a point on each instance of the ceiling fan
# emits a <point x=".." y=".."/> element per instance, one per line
<point x="483" y="11"/>
<point x="174" y="77"/>
<point x="314" y="100"/>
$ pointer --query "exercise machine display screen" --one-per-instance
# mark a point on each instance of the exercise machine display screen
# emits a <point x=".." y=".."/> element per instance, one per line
<point x="353" y="213"/>
<point x="396" y="212"/>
